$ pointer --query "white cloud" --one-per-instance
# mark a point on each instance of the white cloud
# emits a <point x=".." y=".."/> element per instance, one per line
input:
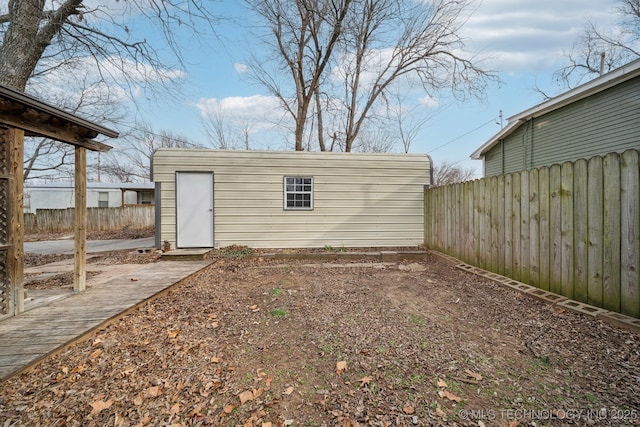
<point x="240" y="67"/>
<point x="522" y="35"/>
<point x="260" y="110"/>
<point x="429" y="101"/>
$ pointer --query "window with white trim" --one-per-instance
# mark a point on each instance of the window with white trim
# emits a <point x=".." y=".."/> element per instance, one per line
<point x="103" y="199"/>
<point x="298" y="193"/>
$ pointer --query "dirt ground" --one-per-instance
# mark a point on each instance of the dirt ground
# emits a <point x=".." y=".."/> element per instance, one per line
<point x="255" y="342"/>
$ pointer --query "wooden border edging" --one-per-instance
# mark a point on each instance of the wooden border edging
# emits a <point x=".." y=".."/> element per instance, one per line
<point x="384" y="256"/>
<point x="616" y="319"/>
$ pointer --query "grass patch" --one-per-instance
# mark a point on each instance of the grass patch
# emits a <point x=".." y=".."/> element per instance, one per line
<point x="279" y="312"/>
<point x="276" y="292"/>
<point x="541" y="363"/>
<point x="417" y="320"/>
<point x="332" y="249"/>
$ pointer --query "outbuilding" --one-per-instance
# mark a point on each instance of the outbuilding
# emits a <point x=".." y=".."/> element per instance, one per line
<point x="288" y="199"/>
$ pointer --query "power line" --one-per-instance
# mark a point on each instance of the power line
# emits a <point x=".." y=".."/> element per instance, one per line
<point x="462" y="136"/>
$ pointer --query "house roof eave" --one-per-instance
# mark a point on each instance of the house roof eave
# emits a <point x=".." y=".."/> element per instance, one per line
<point x="617" y="76"/>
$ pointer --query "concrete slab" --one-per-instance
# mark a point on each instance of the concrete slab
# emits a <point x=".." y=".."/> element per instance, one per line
<point x="185" y="254"/>
<point x="53" y="247"/>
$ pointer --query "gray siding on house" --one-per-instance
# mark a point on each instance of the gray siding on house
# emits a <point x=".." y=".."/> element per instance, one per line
<point x="359" y="199"/>
<point x="608" y="121"/>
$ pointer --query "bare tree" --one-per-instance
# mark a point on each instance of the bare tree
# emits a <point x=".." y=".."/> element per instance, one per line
<point x="70" y="38"/>
<point x="39" y="36"/>
<point x="225" y="131"/>
<point x="599" y="51"/>
<point x="302" y="34"/>
<point x="219" y="129"/>
<point x="390" y="42"/>
<point x="448" y="173"/>
<point x="409" y="120"/>
<point x="45" y="158"/>
<point x="132" y="160"/>
<point x="358" y="53"/>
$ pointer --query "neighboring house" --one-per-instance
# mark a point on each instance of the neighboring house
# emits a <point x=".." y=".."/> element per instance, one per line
<point x="271" y="199"/>
<point x="61" y="195"/>
<point x="596" y="118"/>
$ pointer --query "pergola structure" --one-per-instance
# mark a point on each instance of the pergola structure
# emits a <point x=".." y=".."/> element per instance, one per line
<point x="21" y="115"/>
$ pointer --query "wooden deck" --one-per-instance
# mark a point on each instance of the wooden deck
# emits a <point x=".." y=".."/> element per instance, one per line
<point x="55" y="320"/>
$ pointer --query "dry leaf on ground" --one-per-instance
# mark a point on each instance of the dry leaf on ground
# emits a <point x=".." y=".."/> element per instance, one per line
<point x="100" y="405"/>
<point x="153" y="391"/>
<point x="245" y="396"/>
<point x="365" y="381"/>
<point x="451" y="396"/>
<point x="229" y="408"/>
<point x="476" y="376"/>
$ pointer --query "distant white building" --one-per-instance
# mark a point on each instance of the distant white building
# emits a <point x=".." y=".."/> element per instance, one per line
<point x="61" y="195"/>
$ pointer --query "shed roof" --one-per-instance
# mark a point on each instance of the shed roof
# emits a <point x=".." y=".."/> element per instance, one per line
<point x="592" y="87"/>
<point x="37" y="118"/>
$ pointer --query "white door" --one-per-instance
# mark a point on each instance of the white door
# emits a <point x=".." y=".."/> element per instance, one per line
<point x="194" y="210"/>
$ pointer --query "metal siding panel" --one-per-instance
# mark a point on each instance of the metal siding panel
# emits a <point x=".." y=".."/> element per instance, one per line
<point x="514" y="154"/>
<point x="493" y="161"/>
<point x="606" y="122"/>
<point x="360" y="199"/>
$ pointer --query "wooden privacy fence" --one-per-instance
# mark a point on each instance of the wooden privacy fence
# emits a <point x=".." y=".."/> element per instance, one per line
<point x="572" y="229"/>
<point x="98" y="219"/>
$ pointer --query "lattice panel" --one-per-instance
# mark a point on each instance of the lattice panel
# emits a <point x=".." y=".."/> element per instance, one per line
<point x="4" y="189"/>
<point x="4" y="155"/>
<point x="4" y="211"/>
<point x="5" y="274"/>
<point x="4" y="283"/>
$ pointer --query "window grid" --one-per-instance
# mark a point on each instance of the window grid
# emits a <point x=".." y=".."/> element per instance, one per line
<point x="103" y="199"/>
<point x="298" y="193"/>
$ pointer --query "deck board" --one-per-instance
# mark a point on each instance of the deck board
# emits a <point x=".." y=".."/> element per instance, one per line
<point x="51" y="325"/>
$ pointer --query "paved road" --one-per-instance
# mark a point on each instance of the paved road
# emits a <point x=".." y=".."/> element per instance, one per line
<point x="66" y="246"/>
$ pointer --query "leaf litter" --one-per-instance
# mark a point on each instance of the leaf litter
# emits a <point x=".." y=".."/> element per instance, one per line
<point x="422" y="345"/>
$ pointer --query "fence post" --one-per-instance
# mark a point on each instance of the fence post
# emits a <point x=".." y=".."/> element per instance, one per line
<point x="630" y="242"/>
<point x="595" y="221"/>
<point x="611" y="233"/>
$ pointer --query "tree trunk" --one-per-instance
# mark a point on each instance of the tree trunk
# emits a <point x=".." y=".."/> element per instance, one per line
<point x="27" y="38"/>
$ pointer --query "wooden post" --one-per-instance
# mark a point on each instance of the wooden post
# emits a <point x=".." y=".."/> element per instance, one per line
<point x="80" y="247"/>
<point x="15" y="137"/>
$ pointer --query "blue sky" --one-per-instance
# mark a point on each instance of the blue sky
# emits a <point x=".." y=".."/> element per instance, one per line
<point x="523" y="40"/>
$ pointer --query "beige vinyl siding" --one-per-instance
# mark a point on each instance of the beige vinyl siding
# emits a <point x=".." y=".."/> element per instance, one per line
<point x="360" y="200"/>
<point x="605" y="122"/>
